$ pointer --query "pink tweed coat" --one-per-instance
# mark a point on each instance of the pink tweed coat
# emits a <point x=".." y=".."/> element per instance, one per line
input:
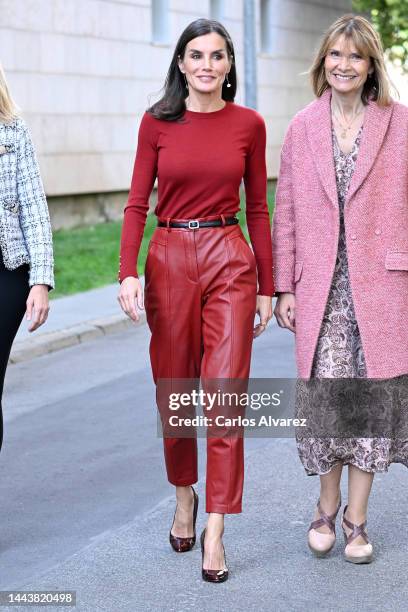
<point x="306" y="230"/>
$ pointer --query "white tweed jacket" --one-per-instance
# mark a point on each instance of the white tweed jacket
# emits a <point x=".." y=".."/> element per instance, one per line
<point x="25" y="228"/>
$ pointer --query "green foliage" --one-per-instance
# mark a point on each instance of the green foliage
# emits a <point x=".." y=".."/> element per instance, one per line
<point x="390" y="18"/>
<point x="88" y="257"/>
<point x="85" y="258"/>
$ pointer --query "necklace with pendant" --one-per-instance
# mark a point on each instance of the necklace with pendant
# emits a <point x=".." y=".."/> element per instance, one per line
<point x="345" y="128"/>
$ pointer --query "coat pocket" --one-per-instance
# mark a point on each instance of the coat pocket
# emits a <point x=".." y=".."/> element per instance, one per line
<point x="298" y="270"/>
<point x="396" y="260"/>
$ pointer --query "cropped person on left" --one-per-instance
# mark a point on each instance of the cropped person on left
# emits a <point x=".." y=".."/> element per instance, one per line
<point x="26" y="256"/>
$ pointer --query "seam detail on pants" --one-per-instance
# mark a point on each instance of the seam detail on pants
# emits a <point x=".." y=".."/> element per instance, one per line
<point x="190" y="258"/>
<point x="195" y="260"/>
<point x="171" y="327"/>
<point x="231" y="350"/>
<point x="231" y="302"/>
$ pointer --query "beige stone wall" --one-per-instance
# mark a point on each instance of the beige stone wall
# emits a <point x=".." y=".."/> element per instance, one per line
<point x="83" y="70"/>
<point x="295" y="27"/>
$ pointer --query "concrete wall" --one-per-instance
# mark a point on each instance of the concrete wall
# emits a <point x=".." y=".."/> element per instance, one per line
<point x="295" y="28"/>
<point x="83" y="71"/>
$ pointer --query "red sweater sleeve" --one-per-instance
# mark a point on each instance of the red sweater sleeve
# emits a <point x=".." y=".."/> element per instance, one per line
<point x="257" y="215"/>
<point x="144" y="174"/>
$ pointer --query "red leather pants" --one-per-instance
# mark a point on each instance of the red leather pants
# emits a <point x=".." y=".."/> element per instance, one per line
<point x="200" y="300"/>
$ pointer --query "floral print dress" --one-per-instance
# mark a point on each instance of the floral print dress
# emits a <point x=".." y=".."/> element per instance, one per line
<point x="339" y="354"/>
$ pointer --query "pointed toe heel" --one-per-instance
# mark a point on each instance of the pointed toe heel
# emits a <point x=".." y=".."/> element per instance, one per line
<point x="210" y="575"/>
<point x="322" y="543"/>
<point x="181" y="545"/>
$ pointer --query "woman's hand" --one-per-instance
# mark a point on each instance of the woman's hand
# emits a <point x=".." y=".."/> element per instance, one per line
<point x="130" y="294"/>
<point x="285" y="311"/>
<point x="264" y="310"/>
<point x="37" y="301"/>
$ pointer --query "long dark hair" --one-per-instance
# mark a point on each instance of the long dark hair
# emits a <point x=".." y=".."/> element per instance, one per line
<point x="172" y="105"/>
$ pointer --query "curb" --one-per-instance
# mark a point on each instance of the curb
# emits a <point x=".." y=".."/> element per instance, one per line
<point x="24" y="350"/>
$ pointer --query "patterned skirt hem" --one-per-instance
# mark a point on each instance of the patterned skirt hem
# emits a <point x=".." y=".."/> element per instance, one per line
<point x="364" y="468"/>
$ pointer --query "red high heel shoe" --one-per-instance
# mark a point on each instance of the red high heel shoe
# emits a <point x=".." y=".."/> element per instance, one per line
<point x="210" y="575"/>
<point x="185" y="544"/>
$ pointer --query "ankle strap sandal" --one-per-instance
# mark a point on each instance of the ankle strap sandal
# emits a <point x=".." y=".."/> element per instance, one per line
<point x="359" y="553"/>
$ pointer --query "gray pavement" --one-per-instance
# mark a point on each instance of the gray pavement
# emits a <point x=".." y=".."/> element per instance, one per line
<point x="86" y="505"/>
<point x="66" y="312"/>
<point x="73" y="320"/>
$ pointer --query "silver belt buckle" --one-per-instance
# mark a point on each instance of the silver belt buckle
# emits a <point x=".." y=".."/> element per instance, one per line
<point x="193" y="224"/>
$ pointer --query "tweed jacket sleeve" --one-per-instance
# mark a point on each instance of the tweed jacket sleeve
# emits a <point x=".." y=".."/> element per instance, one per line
<point x="33" y="211"/>
<point x="283" y="224"/>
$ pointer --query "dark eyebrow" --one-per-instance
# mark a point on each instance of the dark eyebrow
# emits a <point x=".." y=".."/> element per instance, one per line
<point x="217" y="51"/>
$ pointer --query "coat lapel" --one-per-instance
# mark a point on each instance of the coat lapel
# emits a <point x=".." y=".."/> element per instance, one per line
<point x="375" y="126"/>
<point x="319" y="131"/>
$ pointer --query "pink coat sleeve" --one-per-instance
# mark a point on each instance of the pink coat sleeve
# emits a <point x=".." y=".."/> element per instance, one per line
<point x="283" y="224"/>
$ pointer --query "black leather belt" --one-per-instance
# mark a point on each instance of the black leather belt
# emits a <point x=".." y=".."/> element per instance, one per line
<point x="195" y="224"/>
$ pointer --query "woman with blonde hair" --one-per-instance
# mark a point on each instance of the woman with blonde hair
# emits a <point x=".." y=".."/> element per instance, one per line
<point x="340" y="239"/>
<point x="26" y="257"/>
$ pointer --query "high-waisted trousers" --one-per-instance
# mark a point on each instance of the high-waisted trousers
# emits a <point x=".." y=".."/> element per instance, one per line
<point x="14" y="291"/>
<point x="200" y="301"/>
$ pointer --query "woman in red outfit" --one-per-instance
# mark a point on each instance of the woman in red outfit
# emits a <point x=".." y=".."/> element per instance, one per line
<point x="201" y="275"/>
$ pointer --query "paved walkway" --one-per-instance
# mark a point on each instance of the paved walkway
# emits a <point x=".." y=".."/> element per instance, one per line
<point x="72" y="320"/>
<point x="132" y="568"/>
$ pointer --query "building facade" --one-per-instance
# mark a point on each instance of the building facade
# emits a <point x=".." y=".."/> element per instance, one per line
<point x="83" y="72"/>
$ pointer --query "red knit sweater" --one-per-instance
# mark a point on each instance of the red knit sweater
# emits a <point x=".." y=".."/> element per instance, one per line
<point x="199" y="163"/>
